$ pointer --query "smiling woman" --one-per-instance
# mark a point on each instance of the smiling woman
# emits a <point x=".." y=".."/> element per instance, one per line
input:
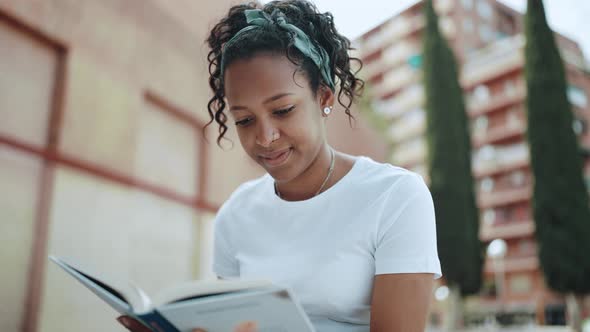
<point x="354" y="239"/>
<point x="278" y="118"/>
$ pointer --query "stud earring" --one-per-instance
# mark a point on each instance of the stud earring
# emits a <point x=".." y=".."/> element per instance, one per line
<point x="327" y="110"/>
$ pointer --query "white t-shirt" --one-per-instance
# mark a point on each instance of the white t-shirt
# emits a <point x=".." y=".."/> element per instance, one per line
<point x="377" y="219"/>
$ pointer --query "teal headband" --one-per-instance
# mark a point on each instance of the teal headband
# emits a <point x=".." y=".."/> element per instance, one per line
<point x="256" y="18"/>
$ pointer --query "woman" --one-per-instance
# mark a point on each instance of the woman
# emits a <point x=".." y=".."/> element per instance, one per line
<point x="354" y="239"/>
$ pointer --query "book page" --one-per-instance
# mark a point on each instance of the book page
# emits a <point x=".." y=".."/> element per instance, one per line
<point x="273" y="309"/>
<point x="124" y="299"/>
<point x="199" y="288"/>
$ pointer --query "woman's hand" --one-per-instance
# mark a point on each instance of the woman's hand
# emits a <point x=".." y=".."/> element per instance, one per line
<point x="135" y="326"/>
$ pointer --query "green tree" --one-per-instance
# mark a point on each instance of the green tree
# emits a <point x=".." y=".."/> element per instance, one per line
<point x="449" y="161"/>
<point x="560" y="197"/>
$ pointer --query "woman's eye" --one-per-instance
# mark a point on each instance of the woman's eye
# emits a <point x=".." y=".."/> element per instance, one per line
<point x="284" y="111"/>
<point x="244" y="122"/>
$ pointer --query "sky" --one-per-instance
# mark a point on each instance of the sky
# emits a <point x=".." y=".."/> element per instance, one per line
<point x="352" y="18"/>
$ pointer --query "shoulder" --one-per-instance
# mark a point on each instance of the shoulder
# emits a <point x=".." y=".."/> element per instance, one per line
<point x="248" y="189"/>
<point x="244" y="196"/>
<point x="388" y="178"/>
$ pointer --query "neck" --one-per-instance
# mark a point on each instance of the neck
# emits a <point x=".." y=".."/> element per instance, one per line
<point x="307" y="184"/>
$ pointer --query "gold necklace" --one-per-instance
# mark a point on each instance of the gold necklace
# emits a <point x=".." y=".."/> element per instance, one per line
<point x="330" y="170"/>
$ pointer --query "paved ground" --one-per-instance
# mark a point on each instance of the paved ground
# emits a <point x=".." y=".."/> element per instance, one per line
<point x="531" y="328"/>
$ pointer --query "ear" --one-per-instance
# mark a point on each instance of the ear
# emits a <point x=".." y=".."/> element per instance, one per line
<point x="326" y="97"/>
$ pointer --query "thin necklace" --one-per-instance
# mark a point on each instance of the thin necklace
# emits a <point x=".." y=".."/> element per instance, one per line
<point x="330" y="170"/>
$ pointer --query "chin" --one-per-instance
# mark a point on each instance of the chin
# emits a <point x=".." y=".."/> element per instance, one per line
<point x="280" y="175"/>
<point x="283" y="174"/>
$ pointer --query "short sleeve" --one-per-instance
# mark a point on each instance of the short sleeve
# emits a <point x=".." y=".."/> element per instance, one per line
<point x="406" y="236"/>
<point x="225" y="264"/>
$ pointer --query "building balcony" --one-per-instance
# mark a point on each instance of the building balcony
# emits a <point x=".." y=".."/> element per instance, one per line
<point x="444" y="6"/>
<point x="497" y="169"/>
<point x="514" y="264"/>
<point x="498" y="58"/>
<point x="405" y="101"/>
<point x="372" y="69"/>
<point x="403" y="26"/>
<point x="500" y="159"/>
<point x="399" y="53"/>
<point x="498" y="102"/>
<point x="573" y="59"/>
<point x="409" y="155"/>
<point x="410" y="163"/>
<point x="391" y="33"/>
<point x="499" y="135"/>
<point x="393" y="57"/>
<point x="372" y="44"/>
<point x="503" y="197"/>
<point x="508" y="230"/>
<point x="490" y="71"/>
<point x="396" y="80"/>
<point x="404" y="130"/>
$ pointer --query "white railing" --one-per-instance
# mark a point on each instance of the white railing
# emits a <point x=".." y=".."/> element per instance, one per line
<point x="410" y="151"/>
<point x="398" y="53"/>
<point x="407" y="100"/>
<point x="409" y="125"/>
<point x="396" y="79"/>
<point x="491" y="157"/>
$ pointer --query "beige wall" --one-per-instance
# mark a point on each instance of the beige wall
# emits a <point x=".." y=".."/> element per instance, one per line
<point x="114" y="53"/>
<point x="115" y="82"/>
<point x="19" y="180"/>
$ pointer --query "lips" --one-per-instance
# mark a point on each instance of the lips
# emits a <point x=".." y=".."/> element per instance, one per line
<point x="275" y="158"/>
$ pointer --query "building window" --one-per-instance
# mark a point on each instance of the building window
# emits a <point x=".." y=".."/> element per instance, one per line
<point x="444" y="6"/>
<point x="484" y="9"/>
<point x="507" y="22"/>
<point x="520" y="284"/>
<point x="467" y="4"/>
<point x="487" y="184"/>
<point x="481" y="93"/>
<point x="480" y="126"/>
<point x="517" y="178"/>
<point x="577" y="96"/>
<point x="485" y="33"/>
<point x="526" y="247"/>
<point x="513" y="119"/>
<point x="509" y="88"/>
<point x="489" y="216"/>
<point x="468" y="25"/>
<point x="447" y="26"/>
<point x="579" y="126"/>
<point x="487" y="152"/>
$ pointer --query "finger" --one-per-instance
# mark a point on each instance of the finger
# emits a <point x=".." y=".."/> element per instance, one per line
<point x="132" y="324"/>
<point x="125" y="321"/>
<point x="247" y="326"/>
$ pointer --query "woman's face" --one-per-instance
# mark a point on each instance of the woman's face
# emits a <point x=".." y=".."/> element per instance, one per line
<point x="278" y="119"/>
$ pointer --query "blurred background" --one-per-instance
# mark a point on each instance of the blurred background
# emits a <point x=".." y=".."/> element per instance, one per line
<point x="103" y="161"/>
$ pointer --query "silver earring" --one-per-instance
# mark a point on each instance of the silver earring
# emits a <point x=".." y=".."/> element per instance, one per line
<point x="327" y="110"/>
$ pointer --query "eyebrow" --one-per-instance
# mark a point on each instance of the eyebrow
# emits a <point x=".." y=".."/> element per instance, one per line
<point x="273" y="98"/>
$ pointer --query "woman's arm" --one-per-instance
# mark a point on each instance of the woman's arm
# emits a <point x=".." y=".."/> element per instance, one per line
<point x="400" y="302"/>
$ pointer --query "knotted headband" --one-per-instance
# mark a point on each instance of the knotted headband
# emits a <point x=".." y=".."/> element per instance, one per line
<point x="257" y="18"/>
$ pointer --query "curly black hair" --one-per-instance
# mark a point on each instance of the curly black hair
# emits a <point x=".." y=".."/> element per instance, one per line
<point x="319" y="27"/>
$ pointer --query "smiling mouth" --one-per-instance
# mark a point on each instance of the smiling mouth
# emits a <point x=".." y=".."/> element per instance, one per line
<point x="275" y="159"/>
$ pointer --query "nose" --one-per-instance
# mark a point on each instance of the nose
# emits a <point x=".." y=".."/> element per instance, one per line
<point x="266" y="133"/>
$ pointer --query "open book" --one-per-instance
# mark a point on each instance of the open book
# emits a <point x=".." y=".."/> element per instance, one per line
<point x="214" y="305"/>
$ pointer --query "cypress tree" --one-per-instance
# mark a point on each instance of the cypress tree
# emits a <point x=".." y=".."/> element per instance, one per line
<point x="449" y="161"/>
<point x="560" y="198"/>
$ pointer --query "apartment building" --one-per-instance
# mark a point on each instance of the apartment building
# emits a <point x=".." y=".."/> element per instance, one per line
<point x="487" y="39"/>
